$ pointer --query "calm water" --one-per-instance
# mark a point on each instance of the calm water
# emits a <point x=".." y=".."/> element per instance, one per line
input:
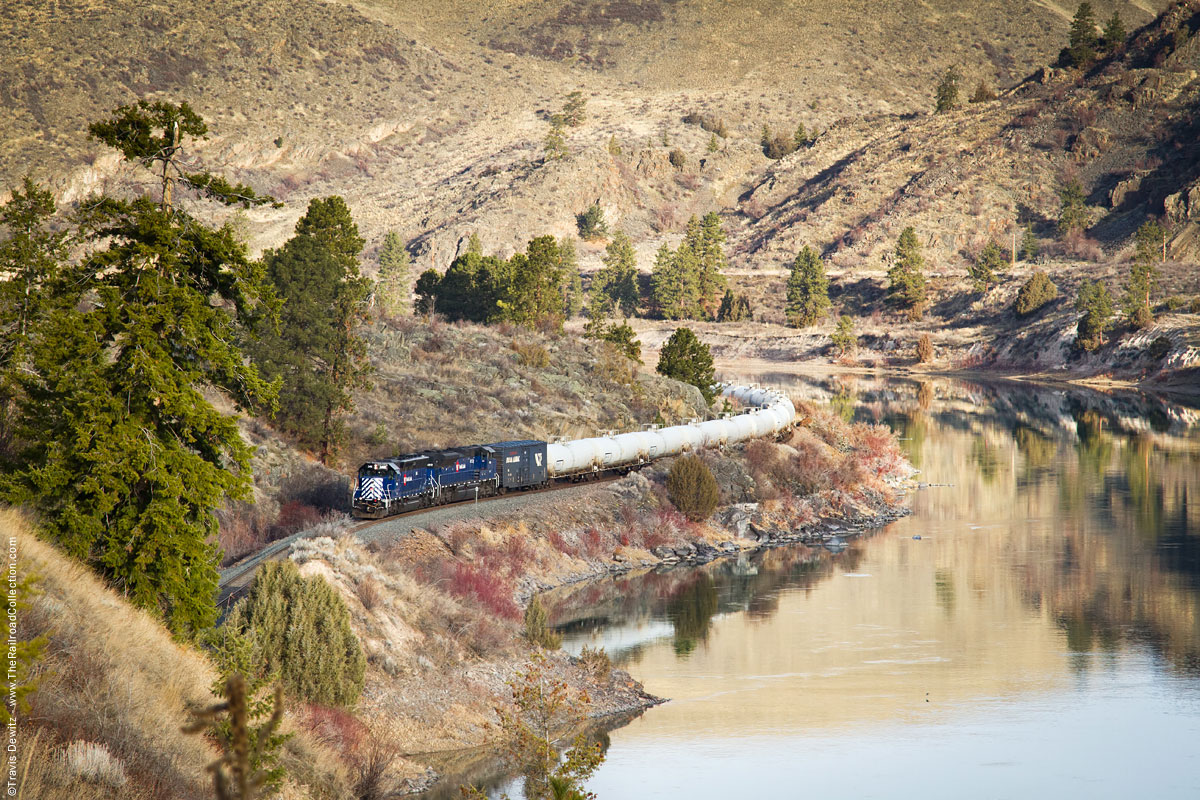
<point x="1041" y="638"/>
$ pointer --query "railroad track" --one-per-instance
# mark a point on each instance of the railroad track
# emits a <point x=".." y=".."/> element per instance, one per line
<point x="235" y="580"/>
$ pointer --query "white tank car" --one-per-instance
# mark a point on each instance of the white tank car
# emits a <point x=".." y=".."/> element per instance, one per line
<point x="766" y="412"/>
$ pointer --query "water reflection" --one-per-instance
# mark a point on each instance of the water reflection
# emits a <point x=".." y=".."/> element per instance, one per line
<point x="1049" y="607"/>
<point x="1054" y="590"/>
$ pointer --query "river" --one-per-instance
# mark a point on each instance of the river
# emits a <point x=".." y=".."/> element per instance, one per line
<point x="1033" y="629"/>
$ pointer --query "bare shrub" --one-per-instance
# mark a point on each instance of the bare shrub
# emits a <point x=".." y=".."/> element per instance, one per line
<point x="92" y="762"/>
<point x="373" y="771"/>
<point x="530" y="354"/>
<point x="597" y="663"/>
<point x="368" y="592"/>
<point x="925" y="348"/>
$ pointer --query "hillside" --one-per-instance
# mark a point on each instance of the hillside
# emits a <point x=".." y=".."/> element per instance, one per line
<point x="114" y="690"/>
<point x="429" y="119"/>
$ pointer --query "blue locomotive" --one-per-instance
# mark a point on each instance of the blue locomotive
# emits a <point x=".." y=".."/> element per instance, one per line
<point x="433" y="477"/>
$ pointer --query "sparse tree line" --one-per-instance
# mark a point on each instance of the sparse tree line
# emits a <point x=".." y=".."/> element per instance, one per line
<point x="1086" y="42"/>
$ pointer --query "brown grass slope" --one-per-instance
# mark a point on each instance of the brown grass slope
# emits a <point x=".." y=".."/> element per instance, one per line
<point x="113" y="676"/>
<point x="1127" y="129"/>
<point x="425" y="116"/>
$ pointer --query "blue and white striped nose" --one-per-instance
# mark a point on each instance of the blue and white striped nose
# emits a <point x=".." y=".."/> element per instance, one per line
<point x="370" y="488"/>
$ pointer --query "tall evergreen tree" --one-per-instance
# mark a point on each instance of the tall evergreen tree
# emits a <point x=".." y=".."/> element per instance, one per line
<point x="30" y="260"/>
<point x="32" y="255"/>
<point x="534" y="293"/>
<point x="1114" y="33"/>
<point x="1029" y="245"/>
<point x="807" y="289"/>
<point x="711" y="262"/>
<point x="1097" y="307"/>
<point x="1082" y="40"/>
<point x="317" y="351"/>
<point x="984" y="269"/>
<point x="1144" y="275"/>
<point x="391" y="289"/>
<point x="1073" y="216"/>
<point x="674" y="282"/>
<point x="906" y="281"/>
<point x="120" y="452"/>
<point x="572" y="284"/>
<point x="685" y="358"/>
<point x="617" y="280"/>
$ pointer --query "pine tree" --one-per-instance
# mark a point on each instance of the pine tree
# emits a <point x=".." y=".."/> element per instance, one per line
<point x="426" y="289"/>
<point x="807" y="290"/>
<point x="734" y="307"/>
<point x="906" y="281"/>
<point x="800" y="138"/>
<point x="711" y="262"/>
<point x="591" y="223"/>
<point x="556" y="143"/>
<point x="692" y="488"/>
<point x="947" y="90"/>
<point x="572" y="284"/>
<point x="714" y="144"/>
<point x="1144" y="275"/>
<point x="392" y="285"/>
<point x="1034" y="293"/>
<point x="675" y="282"/>
<point x="533" y="294"/>
<point x="983" y="270"/>
<point x="121" y="453"/>
<point x="1073" y="217"/>
<point x="1114" y="33"/>
<point x="685" y="358"/>
<point x="1082" y="41"/>
<point x="573" y="113"/>
<point x="32" y="256"/>
<point x="474" y="245"/>
<point x="1151" y="242"/>
<point x="1097" y="307"/>
<point x="1029" y="245"/>
<point x="617" y="280"/>
<point x="317" y="351"/>
<point x="843" y="337"/>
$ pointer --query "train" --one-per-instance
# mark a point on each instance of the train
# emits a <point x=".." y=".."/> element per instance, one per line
<point x="435" y="477"/>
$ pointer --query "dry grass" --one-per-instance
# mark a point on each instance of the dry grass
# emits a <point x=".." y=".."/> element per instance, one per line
<point x="113" y="678"/>
<point x="440" y="385"/>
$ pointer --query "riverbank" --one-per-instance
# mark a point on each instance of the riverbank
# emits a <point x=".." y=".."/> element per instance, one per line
<point x="438" y="608"/>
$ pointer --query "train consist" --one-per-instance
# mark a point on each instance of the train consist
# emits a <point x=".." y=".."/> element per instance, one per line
<point x="433" y="477"/>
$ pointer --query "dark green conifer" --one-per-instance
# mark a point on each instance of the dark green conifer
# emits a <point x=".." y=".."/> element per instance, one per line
<point x="947" y="90"/>
<point x="1097" y="307"/>
<point x="711" y="262"/>
<point x="984" y="269"/>
<point x="1073" y="216"/>
<point x="1082" y="40"/>
<point x="391" y="289"/>
<point x="906" y="281"/>
<point x="807" y="289"/>
<point x="317" y="350"/>
<point x="685" y="358"/>
<point x="120" y="451"/>
<point x="1114" y="33"/>
<point x="617" y="280"/>
<point x="300" y="630"/>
